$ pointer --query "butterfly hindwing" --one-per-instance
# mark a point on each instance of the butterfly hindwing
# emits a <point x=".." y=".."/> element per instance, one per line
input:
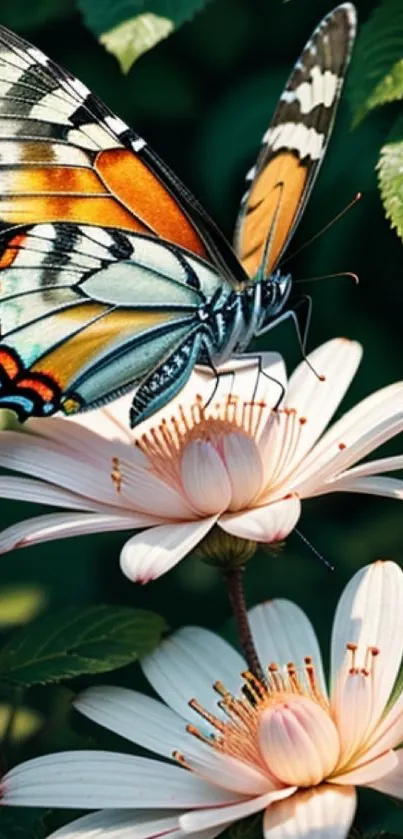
<point x="87" y="313"/>
<point x="65" y="157"/>
<point x="294" y="145"/>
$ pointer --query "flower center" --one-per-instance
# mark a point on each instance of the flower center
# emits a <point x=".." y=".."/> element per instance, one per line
<point x="282" y="726"/>
<point x="209" y="453"/>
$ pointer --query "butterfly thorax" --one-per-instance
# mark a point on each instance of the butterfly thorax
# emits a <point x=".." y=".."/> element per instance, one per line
<point x="232" y="318"/>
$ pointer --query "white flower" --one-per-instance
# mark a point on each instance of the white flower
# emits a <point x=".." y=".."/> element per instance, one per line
<point x="230" y="455"/>
<point x="288" y="747"/>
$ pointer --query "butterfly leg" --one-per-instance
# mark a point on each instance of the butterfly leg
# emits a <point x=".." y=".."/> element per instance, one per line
<point x="166" y="380"/>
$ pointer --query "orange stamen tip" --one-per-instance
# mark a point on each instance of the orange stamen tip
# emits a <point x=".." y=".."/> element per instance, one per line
<point x="322" y="378"/>
<point x="302" y="420"/>
<point x="342" y="446"/>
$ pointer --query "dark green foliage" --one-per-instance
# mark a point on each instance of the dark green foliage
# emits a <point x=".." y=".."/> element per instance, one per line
<point x="78" y="641"/>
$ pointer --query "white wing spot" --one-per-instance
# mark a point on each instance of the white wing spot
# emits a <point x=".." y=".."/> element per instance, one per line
<point x="138" y="144"/>
<point x="292" y="135"/>
<point x="38" y="56"/>
<point x="115" y="124"/>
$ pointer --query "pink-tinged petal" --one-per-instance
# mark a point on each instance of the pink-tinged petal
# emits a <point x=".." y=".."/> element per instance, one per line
<point x="379" y="485"/>
<point x="86" y="466"/>
<point x="63" y="525"/>
<point x="283" y="633"/>
<point x="391" y="784"/>
<point x="369" y="616"/>
<point x="139" y="718"/>
<point x="366" y="773"/>
<point x="205" y="480"/>
<point x="316" y="399"/>
<point x="91" y="780"/>
<point x="353" y="706"/>
<point x="123" y="824"/>
<point x="244" y="468"/>
<point x="299" y="741"/>
<point x="271" y="523"/>
<point x="229" y="772"/>
<point x="202" y="819"/>
<point x="325" y="812"/>
<point x="149" y="554"/>
<point x="359" y="432"/>
<point x="182" y="667"/>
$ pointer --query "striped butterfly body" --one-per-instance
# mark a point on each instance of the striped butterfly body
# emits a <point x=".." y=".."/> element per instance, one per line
<point x="112" y="274"/>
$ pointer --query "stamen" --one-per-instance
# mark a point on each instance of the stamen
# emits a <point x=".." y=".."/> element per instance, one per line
<point x="116" y="475"/>
<point x="164" y="444"/>
<point x="180" y="759"/>
<point x="238" y="734"/>
<point x="352" y="648"/>
<point x="214" y="721"/>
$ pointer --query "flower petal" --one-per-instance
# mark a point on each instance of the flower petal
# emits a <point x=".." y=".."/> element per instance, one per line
<point x="360" y="431"/>
<point x="205" y="479"/>
<point x="283" y="633"/>
<point x="229" y="772"/>
<point x="271" y="523"/>
<point x="139" y="718"/>
<point x="244" y="468"/>
<point x="379" y="485"/>
<point x="40" y="492"/>
<point x="370" y="771"/>
<point x="93" y="779"/>
<point x="325" y="812"/>
<point x="315" y="399"/>
<point x="201" y="819"/>
<point x="182" y="667"/>
<point x="388" y="734"/>
<point x="391" y="784"/>
<point x="62" y="525"/>
<point x="47" y="460"/>
<point x="121" y="824"/>
<point x="149" y="554"/>
<point x="369" y="616"/>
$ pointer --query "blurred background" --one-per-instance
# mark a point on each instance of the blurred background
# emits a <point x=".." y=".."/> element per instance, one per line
<point x="203" y="98"/>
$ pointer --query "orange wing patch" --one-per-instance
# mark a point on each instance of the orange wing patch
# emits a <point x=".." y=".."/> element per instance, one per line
<point x="120" y="191"/>
<point x="276" y="194"/>
<point x="133" y="184"/>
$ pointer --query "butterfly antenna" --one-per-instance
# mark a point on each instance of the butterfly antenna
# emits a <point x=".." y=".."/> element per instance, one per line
<point x="315" y="552"/>
<point x="271" y="233"/>
<point x="326" y="227"/>
<point x="350" y="274"/>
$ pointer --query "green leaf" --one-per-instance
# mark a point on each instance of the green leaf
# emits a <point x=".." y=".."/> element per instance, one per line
<point x="378" y="50"/>
<point x="79" y="641"/>
<point x="389" y="89"/>
<point x="130" y="39"/>
<point x="390" y="177"/>
<point x="128" y="28"/>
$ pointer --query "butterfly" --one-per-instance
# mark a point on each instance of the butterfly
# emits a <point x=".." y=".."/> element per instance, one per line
<point x="112" y="275"/>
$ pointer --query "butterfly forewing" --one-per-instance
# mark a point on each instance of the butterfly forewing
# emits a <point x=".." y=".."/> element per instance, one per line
<point x="93" y="311"/>
<point x="65" y="157"/>
<point x="294" y="145"/>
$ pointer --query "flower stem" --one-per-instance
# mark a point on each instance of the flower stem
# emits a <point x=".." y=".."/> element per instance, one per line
<point x="234" y="580"/>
